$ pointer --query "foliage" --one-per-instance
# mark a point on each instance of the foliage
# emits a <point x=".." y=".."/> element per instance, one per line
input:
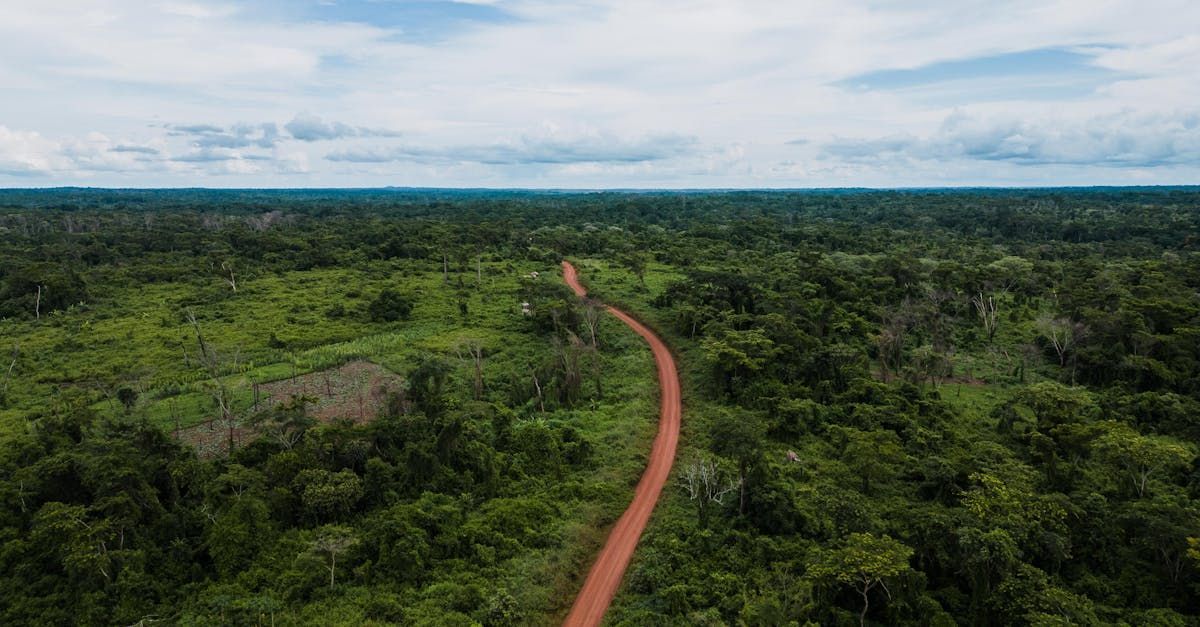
<point x="926" y="407"/>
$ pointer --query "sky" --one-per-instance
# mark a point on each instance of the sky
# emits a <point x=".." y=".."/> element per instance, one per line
<point x="599" y="93"/>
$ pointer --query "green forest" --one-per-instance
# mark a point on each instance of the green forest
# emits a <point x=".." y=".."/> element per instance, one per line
<point x="371" y="407"/>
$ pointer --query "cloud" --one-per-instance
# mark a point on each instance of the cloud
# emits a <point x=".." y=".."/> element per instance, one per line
<point x="1070" y="64"/>
<point x="264" y="135"/>
<point x="867" y="83"/>
<point x="311" y="128"/>
<point x="543" y="149"/>
<point x="206" y="156"/>
<point x="1119" y="140"/>
<point x="25" y="153"/>
<point x="144" y="150"/>
<point x="28" y="153"/>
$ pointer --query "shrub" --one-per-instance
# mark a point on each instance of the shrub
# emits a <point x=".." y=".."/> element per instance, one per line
<point x="390" y="306"/>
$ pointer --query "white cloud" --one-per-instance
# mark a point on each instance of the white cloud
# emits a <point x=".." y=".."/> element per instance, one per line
<point x="548" y="146"/>
<point x="25" y="153"/>
<point x="309" y="128"/>
<point x="1121" y="140"/>
<point x="665" y="93"/>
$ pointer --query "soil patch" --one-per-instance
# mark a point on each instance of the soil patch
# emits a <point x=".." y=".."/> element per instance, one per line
<point x="357" y="391"/>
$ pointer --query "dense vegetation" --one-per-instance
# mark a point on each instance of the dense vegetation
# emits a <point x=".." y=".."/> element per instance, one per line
<point x="920" y="407"/>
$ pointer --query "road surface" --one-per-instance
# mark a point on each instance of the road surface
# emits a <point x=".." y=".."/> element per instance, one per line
<point x="606" y="573"/>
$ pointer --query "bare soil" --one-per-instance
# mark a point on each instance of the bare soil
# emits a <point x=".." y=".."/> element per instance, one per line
<point x="608" y="570"/>
<point x="357" y="391"/>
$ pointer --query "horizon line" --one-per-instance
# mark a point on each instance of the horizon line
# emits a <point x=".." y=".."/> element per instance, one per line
<point x="384" y="188"/>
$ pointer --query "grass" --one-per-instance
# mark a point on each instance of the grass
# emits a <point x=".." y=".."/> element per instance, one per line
<point x="138" y="337"/>
<point x="974" y="403"/>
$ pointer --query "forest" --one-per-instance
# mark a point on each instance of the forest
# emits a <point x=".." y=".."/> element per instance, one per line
<point x="370" y="407"/>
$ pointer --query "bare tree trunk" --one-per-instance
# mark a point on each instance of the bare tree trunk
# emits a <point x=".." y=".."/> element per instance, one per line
<point x="742" y="489"/>
<point x="862" y="616"/>
<point x="445" y="268"/>
<point x="479" y="271"/>
<point x="220" y="391"/>
<point x="232" y="280"/>
<point x="537" y="385"/>
<point x="16" y="354"/>
<point x="478" y="358"/>
<point x="591" y="318"/>
<point x="37" y="305"/>
<point x="596" y="373"/>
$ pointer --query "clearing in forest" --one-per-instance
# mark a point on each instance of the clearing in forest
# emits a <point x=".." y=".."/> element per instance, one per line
<point x="357" y="391"/>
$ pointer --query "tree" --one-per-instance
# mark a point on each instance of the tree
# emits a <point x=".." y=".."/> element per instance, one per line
<point x="287" y="422"/>
<point x="215" y="364"/>
<point x="987" y="307"/>
<point x="427" y="386"/>
<point x="736" y="355"/>
<point x="592" y="313"/>
<point x="890" y="341"/>
<point x="1140" y="456"/>
<point x="128" y="397"/>
<point x="232" y="280"/>
<point x="635" y="262"/>
<point x="1063" y="335"/>
<point x="739" y="437"/>
<point x="475" y="353"/>
<point x="390" y="306"/>
<point x="567" y="368"/>
<point x="330" y="542"/>
<point x="872" y="455"/>
<point x="329" y="495"/>
<point x="864" y="562"/>
<point x="702" y="480"/>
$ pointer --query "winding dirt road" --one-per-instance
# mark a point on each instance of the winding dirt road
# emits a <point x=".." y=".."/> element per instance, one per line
<point x="606" y="573"/>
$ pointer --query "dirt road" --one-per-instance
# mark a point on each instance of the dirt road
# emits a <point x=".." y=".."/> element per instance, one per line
<point x="606" y="573"/>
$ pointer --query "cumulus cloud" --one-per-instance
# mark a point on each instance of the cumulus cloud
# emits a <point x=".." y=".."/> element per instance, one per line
<point x="1118" y="140"/>
<point x="541" y="149"/>
<point x="28" y="153"/>
<point x="25" y="153"/>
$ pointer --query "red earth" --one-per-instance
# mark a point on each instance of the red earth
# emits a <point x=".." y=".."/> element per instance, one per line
<point x="604" y="578"/>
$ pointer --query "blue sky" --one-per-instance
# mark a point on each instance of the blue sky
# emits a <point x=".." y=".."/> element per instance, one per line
<point x="602" y="93"/>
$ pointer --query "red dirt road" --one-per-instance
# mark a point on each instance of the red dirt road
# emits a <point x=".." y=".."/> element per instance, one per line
<point x="605" y="577"/>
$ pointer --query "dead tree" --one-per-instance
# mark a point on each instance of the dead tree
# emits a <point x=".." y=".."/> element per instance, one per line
<point x="570" y="374"/>
<point x="591" y="319"/>
<point x="16" y="354"/>
<point x="330" y="543"/>
<point x="988" y="309"/>
<point x="219" y="388"/>
<point x="537" y="385"/>
<point x="889" y="343"/>
<point x="702" y="482"/>
<point x="37" y="305"/>
<point x="232" y="280"/>
<point x="1062" y="334"/>
<point x="474" y="352"/>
